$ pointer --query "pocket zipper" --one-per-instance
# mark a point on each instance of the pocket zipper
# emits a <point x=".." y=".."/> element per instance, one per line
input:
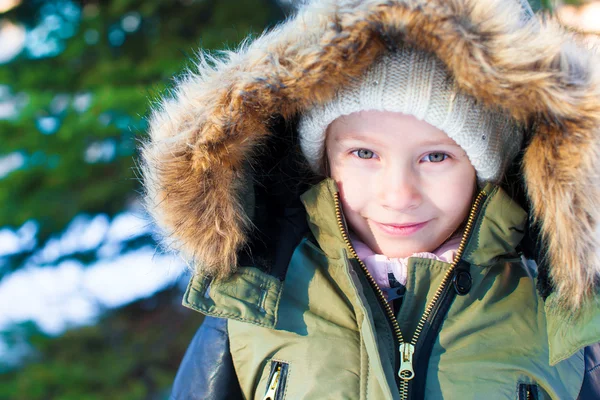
<point x="528" y="392"/>
<point x="277" y="379"/>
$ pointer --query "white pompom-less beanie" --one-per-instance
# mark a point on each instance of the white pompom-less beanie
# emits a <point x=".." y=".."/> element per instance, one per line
<point x="414" y="82"/>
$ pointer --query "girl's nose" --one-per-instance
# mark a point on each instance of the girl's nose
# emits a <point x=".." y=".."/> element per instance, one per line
<point x="399" y="189"/>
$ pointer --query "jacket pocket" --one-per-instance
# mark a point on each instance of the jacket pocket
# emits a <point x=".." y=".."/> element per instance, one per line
<point x="277" y="381"/>
<point x="528" y="391"/>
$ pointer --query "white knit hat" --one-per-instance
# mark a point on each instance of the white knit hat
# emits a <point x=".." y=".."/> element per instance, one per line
<point x="413" y="82"/>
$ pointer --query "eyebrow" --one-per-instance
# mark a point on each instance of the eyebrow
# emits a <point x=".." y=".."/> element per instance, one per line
<point x="359" y="138"/>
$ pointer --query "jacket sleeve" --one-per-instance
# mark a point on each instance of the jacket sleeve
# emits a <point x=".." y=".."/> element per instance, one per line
<point x="206" y="371"/>
<point x="591" y="380"/>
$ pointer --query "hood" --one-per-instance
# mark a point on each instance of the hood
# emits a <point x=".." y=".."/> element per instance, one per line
<point x="205" y="137"/>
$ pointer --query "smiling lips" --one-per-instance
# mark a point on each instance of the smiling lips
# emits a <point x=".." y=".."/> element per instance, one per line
<point x="400" y="229"/>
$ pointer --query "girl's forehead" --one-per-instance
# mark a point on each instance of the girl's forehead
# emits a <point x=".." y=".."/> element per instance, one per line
<point x="385" y="127"/>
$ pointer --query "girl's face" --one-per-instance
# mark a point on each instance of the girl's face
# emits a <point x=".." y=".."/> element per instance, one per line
<point x="405" y="185"/>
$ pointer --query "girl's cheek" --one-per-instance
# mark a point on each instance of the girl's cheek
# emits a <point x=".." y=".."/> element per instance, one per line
<point x="355" y="192"/>
<point x="354" y="178"/>
<point x="353" y="171"/>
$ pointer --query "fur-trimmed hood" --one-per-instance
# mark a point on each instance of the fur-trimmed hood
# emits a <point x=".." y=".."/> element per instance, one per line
<point x="204" y="137"/>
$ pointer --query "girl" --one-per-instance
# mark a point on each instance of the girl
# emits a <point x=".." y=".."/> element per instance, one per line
<point x="441" y="242"/>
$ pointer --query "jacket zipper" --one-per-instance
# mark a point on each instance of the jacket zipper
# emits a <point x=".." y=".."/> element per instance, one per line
<point x="407" y="349"/>
<point x="429" y="335"/>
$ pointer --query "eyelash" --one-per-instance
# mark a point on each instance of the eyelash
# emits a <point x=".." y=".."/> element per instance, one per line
<point x="445" y="155"/>
<point x="356" y="152"/>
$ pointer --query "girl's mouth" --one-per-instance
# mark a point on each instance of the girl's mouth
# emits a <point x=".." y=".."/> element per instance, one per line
<point x="400" y="229"/>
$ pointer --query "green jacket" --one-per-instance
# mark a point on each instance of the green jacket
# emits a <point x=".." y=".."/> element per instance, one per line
<point x="289" y="302"/>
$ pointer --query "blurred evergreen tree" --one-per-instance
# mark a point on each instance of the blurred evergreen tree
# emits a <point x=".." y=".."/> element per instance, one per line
<point x="132" y="353"/>
<point x="80" y="90"/>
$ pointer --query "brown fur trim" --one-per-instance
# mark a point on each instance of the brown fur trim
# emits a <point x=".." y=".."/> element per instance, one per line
<point x="201" y="138"/>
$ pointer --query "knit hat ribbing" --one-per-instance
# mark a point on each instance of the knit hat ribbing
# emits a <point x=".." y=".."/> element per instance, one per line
<point x="413" y="82"/>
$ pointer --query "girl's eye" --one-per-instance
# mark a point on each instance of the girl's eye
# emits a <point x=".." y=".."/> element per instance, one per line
<point x="435" y="157"/>
<point x="364" y="154"/>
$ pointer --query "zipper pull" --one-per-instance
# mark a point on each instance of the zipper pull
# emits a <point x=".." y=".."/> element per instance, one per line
<point x="272" y="388"/>
<point x="406" y="372"/>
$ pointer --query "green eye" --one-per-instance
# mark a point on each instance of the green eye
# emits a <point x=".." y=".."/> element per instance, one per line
<point x="436" y="157"/>
<point x="364" y="153"/>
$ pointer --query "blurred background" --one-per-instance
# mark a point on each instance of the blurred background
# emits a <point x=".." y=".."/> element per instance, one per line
<point x="89" y="308"/>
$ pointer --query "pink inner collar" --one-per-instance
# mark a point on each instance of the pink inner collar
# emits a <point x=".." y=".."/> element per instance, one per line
<point x="380" y="265"/>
